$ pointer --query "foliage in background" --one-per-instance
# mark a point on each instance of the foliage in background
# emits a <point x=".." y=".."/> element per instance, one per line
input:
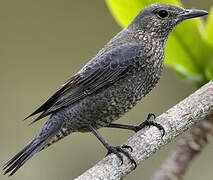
<point x="190" y="47"/>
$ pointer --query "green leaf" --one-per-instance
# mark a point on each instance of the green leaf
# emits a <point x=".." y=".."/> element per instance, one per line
<point x="209" y="41"/>
<point x="186" y="51"/>
<point x="186" y="76"/>
<point x="209" y="70"/>
<point x="187" y="48"/>
<point x="209" y="28"/>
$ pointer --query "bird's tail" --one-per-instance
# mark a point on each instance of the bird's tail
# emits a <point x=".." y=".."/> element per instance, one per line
<point x="50" y="133"/>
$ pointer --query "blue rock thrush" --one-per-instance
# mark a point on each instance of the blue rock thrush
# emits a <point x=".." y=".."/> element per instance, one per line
<point x="110" y="84"/>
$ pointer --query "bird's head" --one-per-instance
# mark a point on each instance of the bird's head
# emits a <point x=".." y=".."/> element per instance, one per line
<point x="161" y="18"/>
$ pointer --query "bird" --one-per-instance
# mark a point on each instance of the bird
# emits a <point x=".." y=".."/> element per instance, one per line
<point x="126" y="69"/>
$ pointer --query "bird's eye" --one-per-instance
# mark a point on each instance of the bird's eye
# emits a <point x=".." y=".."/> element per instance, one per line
<point x="163" y="13"/>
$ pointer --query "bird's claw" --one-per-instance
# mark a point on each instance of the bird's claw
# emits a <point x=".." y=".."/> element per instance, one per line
<point x="149" y="123"/>
<point x="127" y="147"/>
<point x="121" y="149"/>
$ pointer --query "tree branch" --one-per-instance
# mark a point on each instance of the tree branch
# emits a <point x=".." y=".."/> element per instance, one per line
<point x="187" y="149"/>
<point x="176" y="120"/>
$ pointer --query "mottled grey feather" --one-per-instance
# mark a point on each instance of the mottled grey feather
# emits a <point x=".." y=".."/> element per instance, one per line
<point x="111" y="84"/>
<point x="109" y="67"/>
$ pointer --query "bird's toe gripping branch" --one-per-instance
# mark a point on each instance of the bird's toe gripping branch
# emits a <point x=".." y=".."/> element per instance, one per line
<point x="149" y="123"/>
<point x="121" y="149"/>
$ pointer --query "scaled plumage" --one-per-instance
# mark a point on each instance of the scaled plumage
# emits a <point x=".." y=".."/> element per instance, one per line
<point x="120" y="75"/>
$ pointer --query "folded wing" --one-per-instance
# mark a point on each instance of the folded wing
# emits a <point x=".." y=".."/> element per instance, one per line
<point x="103" y="69"/>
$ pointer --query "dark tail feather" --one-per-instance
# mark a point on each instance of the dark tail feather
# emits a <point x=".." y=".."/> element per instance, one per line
<point x="50" y="129"/>
<point x="25" y="154"/>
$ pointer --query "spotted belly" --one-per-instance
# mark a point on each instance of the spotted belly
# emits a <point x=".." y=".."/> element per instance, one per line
<point x="110" y="103"/>
<point x="105" y="106"/>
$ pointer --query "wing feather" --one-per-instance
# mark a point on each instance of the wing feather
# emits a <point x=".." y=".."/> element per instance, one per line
<point x="104" y="69"/>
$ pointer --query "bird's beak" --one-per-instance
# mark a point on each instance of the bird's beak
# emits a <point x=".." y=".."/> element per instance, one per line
<point x="192" y="13"/>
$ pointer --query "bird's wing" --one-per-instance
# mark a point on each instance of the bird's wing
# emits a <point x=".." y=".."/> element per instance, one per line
<point x="103" y="69"/>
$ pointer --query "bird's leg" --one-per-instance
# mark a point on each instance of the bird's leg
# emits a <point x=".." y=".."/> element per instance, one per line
<point x="114" y="149"/>
<point x="147" y="122"/>
<point x="123" y="126"/>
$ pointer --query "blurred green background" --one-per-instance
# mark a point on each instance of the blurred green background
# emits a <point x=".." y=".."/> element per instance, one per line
<point x="42" y="44"/>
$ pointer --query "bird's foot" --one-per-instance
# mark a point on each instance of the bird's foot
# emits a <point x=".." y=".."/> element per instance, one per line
<point x="121" y="149"/>
<point x="149" y="123"/>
